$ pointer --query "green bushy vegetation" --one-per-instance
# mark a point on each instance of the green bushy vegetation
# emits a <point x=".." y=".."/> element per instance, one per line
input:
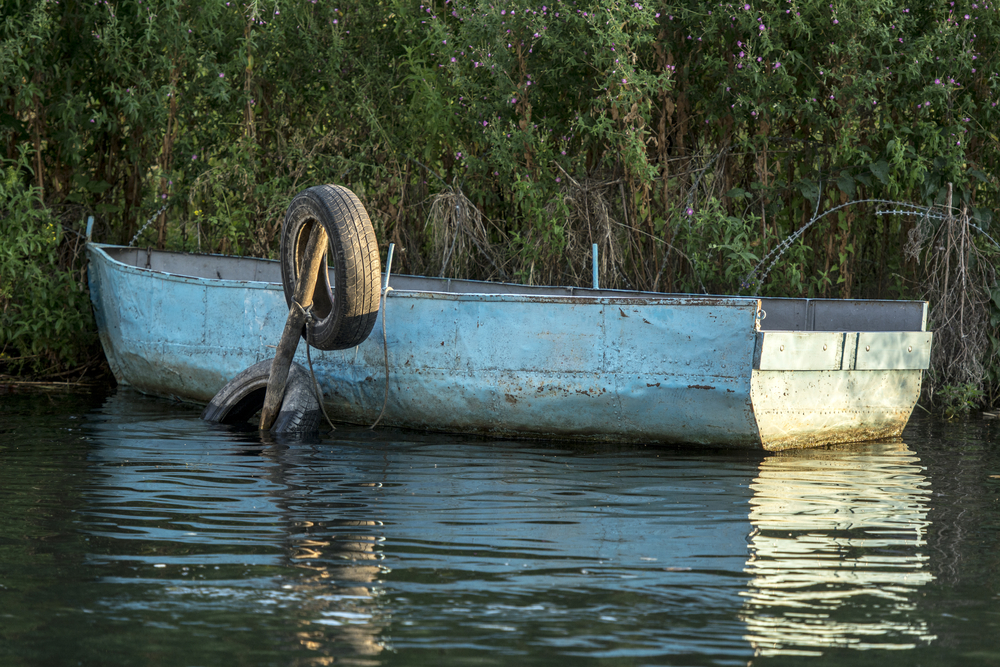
<point x="499" y="139"/>
<point x="44" y="310"/>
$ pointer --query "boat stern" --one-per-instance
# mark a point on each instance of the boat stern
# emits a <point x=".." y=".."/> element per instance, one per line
<point x="811" y="388"/>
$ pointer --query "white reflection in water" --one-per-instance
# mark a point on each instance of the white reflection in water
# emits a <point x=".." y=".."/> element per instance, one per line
<point x="354" y="610"/>
<point x="837" y="551"/>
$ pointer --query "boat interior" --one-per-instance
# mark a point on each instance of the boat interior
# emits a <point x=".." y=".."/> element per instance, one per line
<point x="780" y="314"/>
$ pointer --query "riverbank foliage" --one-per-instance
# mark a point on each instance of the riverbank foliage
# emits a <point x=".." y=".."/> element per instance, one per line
<point x="500" y="139"/>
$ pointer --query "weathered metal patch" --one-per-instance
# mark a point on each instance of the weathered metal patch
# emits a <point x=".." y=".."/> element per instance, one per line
<point x="812" y="408"/>
<point x="836" y="350"/>
<point x="893" y="350"/>
<point x="800" y="350"/>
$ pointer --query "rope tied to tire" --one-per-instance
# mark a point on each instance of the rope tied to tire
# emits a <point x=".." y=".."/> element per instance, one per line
<point x="310" y="317"/>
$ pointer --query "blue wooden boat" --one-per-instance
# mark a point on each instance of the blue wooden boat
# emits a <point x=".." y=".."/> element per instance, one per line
<point x="513" y="360"/>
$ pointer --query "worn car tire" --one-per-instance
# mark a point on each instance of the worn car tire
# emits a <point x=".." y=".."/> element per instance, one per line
<point x="243" y="397"/>
<point x="346" y="310"/>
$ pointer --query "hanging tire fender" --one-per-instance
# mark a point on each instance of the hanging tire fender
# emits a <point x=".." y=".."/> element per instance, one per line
<point x="345" y="310"/>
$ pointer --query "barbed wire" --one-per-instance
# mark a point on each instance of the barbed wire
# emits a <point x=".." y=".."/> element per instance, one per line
<point x="983" y="232"/>
<point x="135" y="238"/>
<point x="752" y="280"/>
<point x="941" y="216"/>
<point x="938" y="216"/>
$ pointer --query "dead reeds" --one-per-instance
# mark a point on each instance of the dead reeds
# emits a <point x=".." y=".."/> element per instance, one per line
<point x="957" y="276"/>
<point x="460" y="238"/>
<point x="590" y="219"/>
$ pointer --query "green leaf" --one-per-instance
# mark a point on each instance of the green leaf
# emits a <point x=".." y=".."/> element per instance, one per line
<point x="809" y="189"/>
<point x="982" y="216"/>
<point x="846" y="183"/>
<point x="98" y="187"/>
<point x="881" y="171"/>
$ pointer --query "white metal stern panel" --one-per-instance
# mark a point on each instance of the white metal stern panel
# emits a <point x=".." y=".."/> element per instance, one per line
<point x="897" y="350"/>
<point x="800" y="351"/>
<point x="842" y="350"/>
<point x="811" y="408"/>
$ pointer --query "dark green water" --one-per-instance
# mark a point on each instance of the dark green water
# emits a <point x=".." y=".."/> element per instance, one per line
<point x="132" y="533"/>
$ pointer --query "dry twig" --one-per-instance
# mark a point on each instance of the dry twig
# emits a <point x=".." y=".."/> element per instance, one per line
<point x="957" y="279"/>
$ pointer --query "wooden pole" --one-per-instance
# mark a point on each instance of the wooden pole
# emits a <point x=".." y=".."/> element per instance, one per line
<point x="305" y="284"/>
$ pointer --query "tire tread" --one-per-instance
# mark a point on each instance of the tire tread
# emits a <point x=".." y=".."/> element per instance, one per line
<point x="243" y="396"/>
<point x="357" y="268"/>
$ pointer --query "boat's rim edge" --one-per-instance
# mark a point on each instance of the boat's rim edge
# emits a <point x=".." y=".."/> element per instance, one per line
<point x="631" y="297"/>
<point x="99" y="248"/>
<point x="675" y="300"/>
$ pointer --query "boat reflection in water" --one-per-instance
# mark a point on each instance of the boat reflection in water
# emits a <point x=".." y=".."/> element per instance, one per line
<point x="837" y="551"/>
<point x="339" y="599"/>
<point x="210" y="527"/>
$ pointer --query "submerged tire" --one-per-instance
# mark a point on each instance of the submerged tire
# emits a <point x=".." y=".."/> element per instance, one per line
<point x="345" y="310"/>
<point x="243" y="397"/>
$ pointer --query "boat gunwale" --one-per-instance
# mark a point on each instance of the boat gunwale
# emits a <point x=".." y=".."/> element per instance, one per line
<point x="627" y="297"/>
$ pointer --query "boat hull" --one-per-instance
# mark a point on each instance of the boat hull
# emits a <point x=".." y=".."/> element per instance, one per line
<point x="655" y="369"/>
